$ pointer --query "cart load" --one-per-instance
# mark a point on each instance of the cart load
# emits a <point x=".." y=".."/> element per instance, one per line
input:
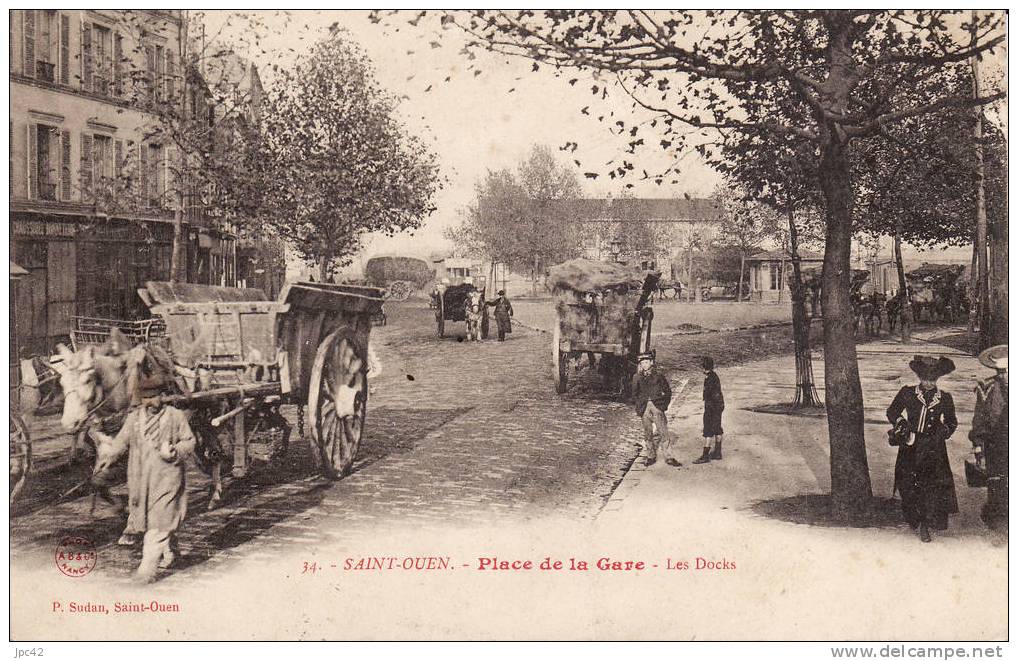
<point x="603" y="311"/>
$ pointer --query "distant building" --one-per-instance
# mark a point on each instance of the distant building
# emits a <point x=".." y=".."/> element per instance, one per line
<point x="769" y="273"/>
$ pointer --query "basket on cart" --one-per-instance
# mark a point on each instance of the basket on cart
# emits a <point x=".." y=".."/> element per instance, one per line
<point x="95" y="331"/>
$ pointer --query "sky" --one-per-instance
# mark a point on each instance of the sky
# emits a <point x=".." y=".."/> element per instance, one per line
<point x="475" y="123"/>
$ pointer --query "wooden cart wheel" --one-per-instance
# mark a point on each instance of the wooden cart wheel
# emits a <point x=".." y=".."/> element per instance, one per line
<point x="440" y="316"/>
<point x="560" y="361"/>
<point x="338" y="402"/>
<point x="20" y="455"/>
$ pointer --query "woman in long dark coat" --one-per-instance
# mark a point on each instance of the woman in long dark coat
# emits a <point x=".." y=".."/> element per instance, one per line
<point x="925" y="416"/>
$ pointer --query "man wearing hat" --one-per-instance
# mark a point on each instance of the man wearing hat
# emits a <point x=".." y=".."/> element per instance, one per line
<point x="652" y="396"/>
<point x="503" y="314"/>
<point x="922" y="474"/>
<point x="989" y="436"/>
<point x="159" y="439"/>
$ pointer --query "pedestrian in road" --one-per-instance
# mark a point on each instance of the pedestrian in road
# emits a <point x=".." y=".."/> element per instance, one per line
<point x="713" y="405"/>
<point x="503" y="314"/>
<point x="989" y="436"/>
<point x="925" y="416"/>
<point x="652" y="396"/>
<point x="159" y="440"/>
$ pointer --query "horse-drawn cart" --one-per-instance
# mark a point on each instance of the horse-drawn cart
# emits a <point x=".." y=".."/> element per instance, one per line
<point x="237" y="361"/>
<point x="451" y="304"/>
<point x="603" y="311"/>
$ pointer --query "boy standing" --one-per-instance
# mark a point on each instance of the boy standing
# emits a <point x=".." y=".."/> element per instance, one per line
<point x="713" y="405"/>
<point x="159" y="439"/>
<point x="652" y="396"/>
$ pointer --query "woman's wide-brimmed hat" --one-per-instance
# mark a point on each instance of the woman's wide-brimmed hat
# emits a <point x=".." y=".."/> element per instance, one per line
<point x="995" y="357"/>
<point x="928" y="367"/>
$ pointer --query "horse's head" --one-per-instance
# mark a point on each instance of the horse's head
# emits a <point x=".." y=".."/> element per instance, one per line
<point x="474" y="301"/>
<point x="80" y="382"/>
<point x="88" y="377"/>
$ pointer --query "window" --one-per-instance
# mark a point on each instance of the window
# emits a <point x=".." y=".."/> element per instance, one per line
<point x="776" y="275"/>
<point x="155" y="176"/>
<point x="48" y="150"/>
<point x="46" y="44"/>
<point x="102" y="47"/>
<point x="102" y="160"/>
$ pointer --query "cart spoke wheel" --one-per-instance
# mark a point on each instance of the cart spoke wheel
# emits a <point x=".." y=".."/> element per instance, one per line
<point x="337" y="402"/>
<point x="21" y="455"/>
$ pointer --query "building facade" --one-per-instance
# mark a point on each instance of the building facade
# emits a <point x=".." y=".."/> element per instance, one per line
<point x="92" y="191"/>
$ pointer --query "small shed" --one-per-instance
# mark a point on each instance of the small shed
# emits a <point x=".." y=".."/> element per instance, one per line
<point x="769" y="273"/>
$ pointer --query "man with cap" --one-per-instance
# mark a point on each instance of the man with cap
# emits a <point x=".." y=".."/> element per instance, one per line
<point x="159" y="439"/>
<point x="922" y="472"/>
<point x="503" y="314"/>
<point x="652" y="396"/>
<point x="989" y="436"/>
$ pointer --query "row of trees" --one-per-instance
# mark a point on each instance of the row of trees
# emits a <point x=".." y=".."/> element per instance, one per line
<point x="318" y="157"/>
<point x="790" y="104"/>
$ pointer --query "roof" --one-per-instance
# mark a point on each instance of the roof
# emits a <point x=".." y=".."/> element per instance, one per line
<point x="660" y="209"/>
<point x="781" y="255"/>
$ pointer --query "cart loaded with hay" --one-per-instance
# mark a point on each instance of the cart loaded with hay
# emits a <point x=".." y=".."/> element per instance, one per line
<point x="604" y="313"/>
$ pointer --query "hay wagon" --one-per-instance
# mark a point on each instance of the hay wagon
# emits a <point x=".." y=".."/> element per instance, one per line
<point x="603" y="311"/>
<point x="238" y="357"/>
<point x="450" y="305"/>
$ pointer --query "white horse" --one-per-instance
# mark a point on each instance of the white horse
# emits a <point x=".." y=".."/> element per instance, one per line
<point x="474" y="314"/>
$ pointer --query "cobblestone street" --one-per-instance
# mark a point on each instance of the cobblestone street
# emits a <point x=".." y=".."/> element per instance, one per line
<point x="457" y="433"/>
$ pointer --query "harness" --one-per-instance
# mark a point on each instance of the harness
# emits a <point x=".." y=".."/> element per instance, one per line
<point x="92" y="411"/>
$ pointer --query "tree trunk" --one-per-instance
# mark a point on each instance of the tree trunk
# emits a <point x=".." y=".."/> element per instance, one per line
<point x="742" y="275"/>
<point x="177" y="273"/>
<point x="690" y="297"/>
<point x="805" y="390"/>
<point x="998" y="281"/>
<point x="905" y="308"/>
<point x="534" y="286"/>
<point x="851" y="491"/>
<point x="323" y="269"/>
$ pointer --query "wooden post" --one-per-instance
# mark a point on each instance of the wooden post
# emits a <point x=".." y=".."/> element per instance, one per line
<point x="239" y="446"/>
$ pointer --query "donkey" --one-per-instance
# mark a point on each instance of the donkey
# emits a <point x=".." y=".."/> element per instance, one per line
<point x="474" y="309"/>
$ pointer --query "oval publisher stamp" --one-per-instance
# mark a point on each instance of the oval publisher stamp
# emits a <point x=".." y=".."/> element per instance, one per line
<point x="75" y="556"/>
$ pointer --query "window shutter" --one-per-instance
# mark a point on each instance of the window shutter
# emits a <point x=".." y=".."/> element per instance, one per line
<point x="143" y="175"/>
<point x="86" y="56"/>
<point x="28" y="22"/>
<point x="150" y="71"/>
<point x="65" y="165"/>
<point x="118" y="159"/>
<point x="33" y="161"/>
<point x="170" y="74"/>
<point x="118" y="55"/>
<point x="86" y="166"/>
<point x="65" y="49"/>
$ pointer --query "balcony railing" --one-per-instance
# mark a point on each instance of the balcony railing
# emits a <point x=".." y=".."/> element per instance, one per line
<point x="45" y="71"/>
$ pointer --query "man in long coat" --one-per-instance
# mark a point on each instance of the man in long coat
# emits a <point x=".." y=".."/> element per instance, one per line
<point x="989" y="435"/>
<point x="922" y="472"/>
<point x="503" y="314"/>
<point x="159" y="439"/>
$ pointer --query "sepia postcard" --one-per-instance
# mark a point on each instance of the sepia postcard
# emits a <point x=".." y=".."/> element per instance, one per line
<point x="509" y="325"/>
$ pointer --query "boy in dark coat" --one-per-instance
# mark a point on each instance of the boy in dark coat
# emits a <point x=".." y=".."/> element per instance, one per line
<point x="922" y="473"/>
<point x="989" y="436"/>
<point x="652" y="396"/>
<point x="713" y="405"/>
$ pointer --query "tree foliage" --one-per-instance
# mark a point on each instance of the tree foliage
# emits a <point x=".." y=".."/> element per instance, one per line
<point x="519" y="218"/>
<point x="338" y="162"/>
